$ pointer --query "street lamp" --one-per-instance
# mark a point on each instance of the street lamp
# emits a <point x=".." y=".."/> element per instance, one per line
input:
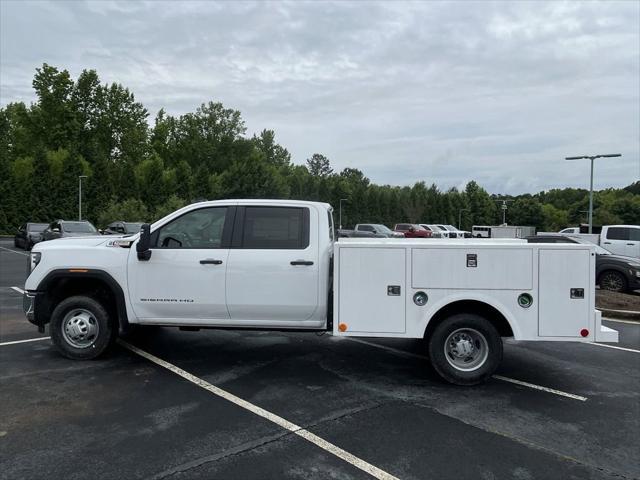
<point x="504" y="210"/>
<point x="460" y="216"/>
<point x="80" y="177"/>
<point x="592" y="158"/>
<point x="340" y="215"/>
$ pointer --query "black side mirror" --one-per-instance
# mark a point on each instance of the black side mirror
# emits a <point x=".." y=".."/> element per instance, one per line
<point x="142" y="247"/>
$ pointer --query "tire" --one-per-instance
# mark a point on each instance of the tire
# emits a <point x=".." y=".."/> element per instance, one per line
<point x="81" y="328"/>
<point x="613" y="281"/>
<point x="449" y="346"/>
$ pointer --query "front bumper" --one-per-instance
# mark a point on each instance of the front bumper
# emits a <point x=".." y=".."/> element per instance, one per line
<point x="33" y="307"/>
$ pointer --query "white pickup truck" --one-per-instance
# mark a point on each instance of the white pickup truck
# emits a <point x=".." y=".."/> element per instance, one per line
<point x="274" y="265"/>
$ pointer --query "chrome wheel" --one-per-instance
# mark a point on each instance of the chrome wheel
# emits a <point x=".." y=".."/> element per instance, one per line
<point x="80" y="328"/>
<point x="612" y="281"/>
<point x="466" y="349"/>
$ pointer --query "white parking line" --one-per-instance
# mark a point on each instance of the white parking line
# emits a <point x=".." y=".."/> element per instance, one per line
<point x="17" y="289"/>
<point x="541" y="388"/>
<point x="287" y="425"/>
<point x="613" y="346"/>
<point x="24" y="341"/>
<point x="497" y="377"/>
<point x="9" y="250"/>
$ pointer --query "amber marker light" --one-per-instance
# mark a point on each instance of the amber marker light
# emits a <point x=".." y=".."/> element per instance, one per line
<point x="342" y="327"/>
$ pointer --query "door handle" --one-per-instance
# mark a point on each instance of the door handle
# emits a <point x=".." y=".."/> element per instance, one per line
<point x="210" y="261"/>
<point x="632" y="244"/>
<point x="607" y="243"/>
<point x="301" y="262"/>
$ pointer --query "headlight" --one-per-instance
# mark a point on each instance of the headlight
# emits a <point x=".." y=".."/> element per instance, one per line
<point x="34" y="260"/>
<point x="634" y="265"/>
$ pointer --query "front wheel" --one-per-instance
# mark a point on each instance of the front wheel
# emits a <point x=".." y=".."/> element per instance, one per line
<point x="81" y="328"/>
<point x="465" y="349"/>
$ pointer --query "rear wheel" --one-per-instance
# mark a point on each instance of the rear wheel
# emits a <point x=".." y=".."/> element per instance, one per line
<point x="81" y="328"/>
<point x="465" y="349"/>
<point x="613" y="281"/>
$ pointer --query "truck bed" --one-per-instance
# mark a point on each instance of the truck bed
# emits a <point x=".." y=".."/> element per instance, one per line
<point x="376" y="279"/>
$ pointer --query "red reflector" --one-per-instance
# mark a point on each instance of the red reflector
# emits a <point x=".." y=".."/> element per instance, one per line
<point x="584" y="332"/>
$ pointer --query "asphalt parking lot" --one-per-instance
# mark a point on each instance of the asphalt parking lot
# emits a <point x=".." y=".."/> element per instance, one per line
<point x="225" y="404"/>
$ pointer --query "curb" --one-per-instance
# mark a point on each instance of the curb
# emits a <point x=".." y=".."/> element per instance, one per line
<point x="622" y="314"/>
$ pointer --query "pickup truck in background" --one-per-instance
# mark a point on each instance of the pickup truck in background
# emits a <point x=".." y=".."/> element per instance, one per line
<point x="274" y="265"/>
<point x="412" y="230"/>
<point x="618" y="239"/>
<point x="379" y="230"/>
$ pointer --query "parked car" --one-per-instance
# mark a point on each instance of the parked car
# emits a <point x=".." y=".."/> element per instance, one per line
<point x="621" y="239"/>
<point x="453" y="232"/>
<point x="122" y="228"/>
<point x="570" y="230"/>
<point x="436" y="231"/>
<point x="412" y="230"/>
<point x="65" y="228"/>
<point x="28" y="235"/>
<point x="617" y="273"/>
<point x="378" y="229"/>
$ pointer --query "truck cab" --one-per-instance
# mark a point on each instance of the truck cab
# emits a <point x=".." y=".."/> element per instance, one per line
<point x="274" y="264"/>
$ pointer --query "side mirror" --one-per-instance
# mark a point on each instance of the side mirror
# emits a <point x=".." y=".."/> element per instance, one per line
<point x="412" y="229"/>
<point x="142" y="247"/>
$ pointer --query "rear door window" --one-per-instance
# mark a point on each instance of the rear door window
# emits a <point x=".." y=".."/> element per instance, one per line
<point x="618" y="233"/>
<point x="285" y="228"/>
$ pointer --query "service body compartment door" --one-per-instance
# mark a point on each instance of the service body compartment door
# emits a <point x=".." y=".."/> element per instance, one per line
<point x="372" y="289"/>
<point x="564" y="291"/>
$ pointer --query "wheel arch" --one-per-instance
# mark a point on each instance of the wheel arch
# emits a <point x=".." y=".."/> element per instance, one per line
<point x="609" y="267"/>
<point x="63" y="283"/>
<point x="493" y="313"/>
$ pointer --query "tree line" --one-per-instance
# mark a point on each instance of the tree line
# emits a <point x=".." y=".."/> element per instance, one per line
<point x="141" y="170"/>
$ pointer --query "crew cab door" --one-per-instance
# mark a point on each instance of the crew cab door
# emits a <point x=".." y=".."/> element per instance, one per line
<point x="622" y="240"/>
<point x="184" y="280"/>
<point x="272" y="272"/>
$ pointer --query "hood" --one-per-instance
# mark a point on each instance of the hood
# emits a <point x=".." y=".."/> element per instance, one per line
<point x="620" y="258"/>
<point x="80" y="234"/>
<point x="81" y="241"/>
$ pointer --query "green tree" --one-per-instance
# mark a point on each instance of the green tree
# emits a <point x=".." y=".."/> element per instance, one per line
<point x="319" y="165"/>
<point x="130" y="210"/>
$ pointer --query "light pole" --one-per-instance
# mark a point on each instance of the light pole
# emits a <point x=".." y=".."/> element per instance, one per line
<point x="460" y="216"/>
<point x="80" y="177"/>
<point x="504" y="210"/>
<point x="340" y="214"/>
<point x="592" y="158"/>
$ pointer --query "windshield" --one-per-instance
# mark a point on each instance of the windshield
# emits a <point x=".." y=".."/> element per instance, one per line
<point x="37" y="227"/>
<point x="452" y="228"/>
<point x="383" y="228"/>
<point x="78" y="227"/>
<point x="132" y="227"/>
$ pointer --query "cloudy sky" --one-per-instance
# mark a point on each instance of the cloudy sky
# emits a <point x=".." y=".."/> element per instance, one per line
<point x="445" y="92"/>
